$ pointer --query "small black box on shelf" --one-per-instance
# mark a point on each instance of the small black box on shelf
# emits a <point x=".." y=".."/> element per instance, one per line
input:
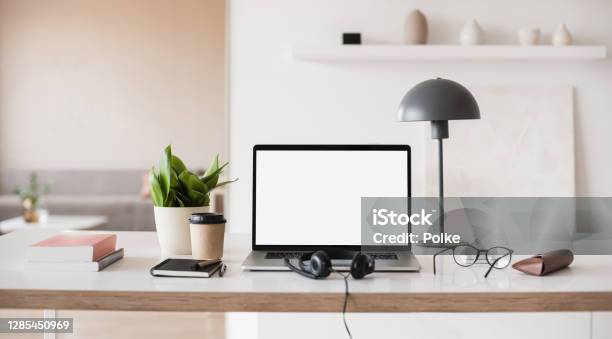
<point x="351" y="38"/>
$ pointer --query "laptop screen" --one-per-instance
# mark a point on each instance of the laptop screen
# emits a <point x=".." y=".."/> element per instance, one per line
<point x="310" y="197"/>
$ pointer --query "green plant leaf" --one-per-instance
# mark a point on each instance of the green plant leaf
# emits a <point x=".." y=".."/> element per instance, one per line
<point x="157" y="194"/>
<point x="212" y="172"/>
<point x="184" y="198"/>
<point x="177" y="165"/>
<point x="191" y="182"/>
<point x="173" y="179"/>
<point x="165" y="171"/>
<point x="224" y="183"/>
<point x="170" y="200"/>
<point x="197" y="198"/>
<point x="180" y="202"/>
<point x="211" y="179"/>
<point x="214" y="165"/>
<point x="193" y="188"/>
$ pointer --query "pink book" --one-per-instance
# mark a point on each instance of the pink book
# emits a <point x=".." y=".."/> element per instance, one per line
<point x="73" y="247"/>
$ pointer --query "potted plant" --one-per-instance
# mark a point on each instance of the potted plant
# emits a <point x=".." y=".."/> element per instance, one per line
<point x="30" y="198"/>
<point x="176" y="193"/>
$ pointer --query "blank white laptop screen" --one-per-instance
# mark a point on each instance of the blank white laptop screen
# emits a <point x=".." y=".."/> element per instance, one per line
<point x="313" y="197"/>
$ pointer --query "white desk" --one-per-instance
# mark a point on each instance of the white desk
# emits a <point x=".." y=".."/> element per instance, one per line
<point x="127" y="285"/>
<point x="55" y="222"/>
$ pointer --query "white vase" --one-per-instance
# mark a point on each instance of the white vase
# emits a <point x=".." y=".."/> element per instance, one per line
<point x="471" y="34"/>
<point x="562" y="36"/>
<point x="529" y="36"/>
<point x="172" y="225"/>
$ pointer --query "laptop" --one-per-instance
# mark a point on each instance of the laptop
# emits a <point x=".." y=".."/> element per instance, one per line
<point x="308" y="198"/>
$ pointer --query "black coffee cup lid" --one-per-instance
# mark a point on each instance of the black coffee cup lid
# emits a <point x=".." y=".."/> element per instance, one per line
<point x="207" y="218"/>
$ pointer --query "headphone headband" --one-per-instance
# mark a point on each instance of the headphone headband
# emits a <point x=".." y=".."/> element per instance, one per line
<point x="320" y="265"/>
<point x="304" y="257"/>
<point x="299" y="271"/>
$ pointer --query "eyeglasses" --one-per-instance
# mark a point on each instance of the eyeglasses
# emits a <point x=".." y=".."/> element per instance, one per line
<point x="467" y="255"/>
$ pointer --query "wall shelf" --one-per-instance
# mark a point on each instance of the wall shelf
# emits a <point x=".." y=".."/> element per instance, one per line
<point x="448" y="53"/>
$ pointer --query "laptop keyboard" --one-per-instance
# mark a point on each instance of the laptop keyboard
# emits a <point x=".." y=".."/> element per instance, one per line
<point x="283" y="255"/>
<point x="383" y="256"/>
<point x="297" y="255"/>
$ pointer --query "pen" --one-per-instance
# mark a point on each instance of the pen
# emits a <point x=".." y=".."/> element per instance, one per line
<point x="205" y="263"/>
<point x="222" y="270"/>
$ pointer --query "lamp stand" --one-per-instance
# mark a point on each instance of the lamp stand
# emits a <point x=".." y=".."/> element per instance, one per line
<point x="439" y="131"/>
<point x="441" y="184"/>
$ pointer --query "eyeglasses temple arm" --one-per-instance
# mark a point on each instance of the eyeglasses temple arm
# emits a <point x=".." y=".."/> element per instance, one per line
<point x="435" y="255"/>
<point x="495" y="262"/>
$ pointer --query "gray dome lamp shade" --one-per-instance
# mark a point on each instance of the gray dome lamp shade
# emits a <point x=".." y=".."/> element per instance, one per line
<point x="439" y="100"/>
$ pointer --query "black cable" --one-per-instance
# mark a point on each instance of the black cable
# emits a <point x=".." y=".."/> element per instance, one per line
<point x="346" y="295"/>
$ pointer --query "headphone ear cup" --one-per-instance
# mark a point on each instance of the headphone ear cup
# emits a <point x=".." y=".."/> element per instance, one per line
<point x="362" y="265"/>
<point x="320" y="264"/>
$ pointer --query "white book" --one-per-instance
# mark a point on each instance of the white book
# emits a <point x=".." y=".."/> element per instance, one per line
<point x="74" y="266"/>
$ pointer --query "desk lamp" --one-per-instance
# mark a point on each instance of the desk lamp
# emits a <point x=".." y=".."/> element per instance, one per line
<point x="438" y="100"/>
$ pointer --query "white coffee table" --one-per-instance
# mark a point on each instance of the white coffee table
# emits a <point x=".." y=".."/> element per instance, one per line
<point x="56" y="222"/>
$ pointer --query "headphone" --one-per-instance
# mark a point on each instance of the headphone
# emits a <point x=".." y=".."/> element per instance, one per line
<point x="320" y="265"/>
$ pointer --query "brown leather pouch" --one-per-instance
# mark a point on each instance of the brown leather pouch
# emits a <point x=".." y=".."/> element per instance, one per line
<point x="543" y="264"/>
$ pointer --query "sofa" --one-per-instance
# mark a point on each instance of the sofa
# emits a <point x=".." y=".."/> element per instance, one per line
<point x="115" y="194"/>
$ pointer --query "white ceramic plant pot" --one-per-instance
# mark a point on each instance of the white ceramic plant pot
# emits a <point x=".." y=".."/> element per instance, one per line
<point x="172" y="224"/>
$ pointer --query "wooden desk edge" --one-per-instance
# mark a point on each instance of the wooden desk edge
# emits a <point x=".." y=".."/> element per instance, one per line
<point x="306" y="302"/>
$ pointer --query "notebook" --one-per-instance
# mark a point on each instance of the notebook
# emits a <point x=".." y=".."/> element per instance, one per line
<point x="75" y="266"/>
<point x="73" y="247"/>
<point x="184" y="268"/>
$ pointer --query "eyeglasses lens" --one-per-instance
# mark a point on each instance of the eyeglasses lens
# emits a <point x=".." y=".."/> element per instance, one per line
<point x="465" y="255"/>
<point x="499" y="257"/>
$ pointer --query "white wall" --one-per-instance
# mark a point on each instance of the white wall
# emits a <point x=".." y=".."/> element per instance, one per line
<point x="107" y="84"/>
<point x="274" y="99"/>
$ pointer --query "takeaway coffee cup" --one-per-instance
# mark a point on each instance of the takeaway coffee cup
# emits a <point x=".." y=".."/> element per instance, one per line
<point x="207" y="233"/>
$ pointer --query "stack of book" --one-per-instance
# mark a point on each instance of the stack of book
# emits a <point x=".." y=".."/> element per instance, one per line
<point x="74" y="252"/>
